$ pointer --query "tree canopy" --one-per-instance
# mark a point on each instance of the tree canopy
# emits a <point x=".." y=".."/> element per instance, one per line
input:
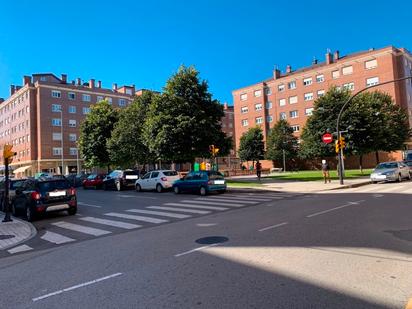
<point x="251" y="147"/>
<point x="281" y="138"/>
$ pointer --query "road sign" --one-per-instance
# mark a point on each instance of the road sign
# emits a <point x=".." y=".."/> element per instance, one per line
<point x="327" y="138"/>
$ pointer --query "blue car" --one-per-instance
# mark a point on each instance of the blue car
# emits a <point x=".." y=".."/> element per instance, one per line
<point x="201" y="182"/>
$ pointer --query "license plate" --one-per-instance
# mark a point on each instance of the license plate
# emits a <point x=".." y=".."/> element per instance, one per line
<point x="57" y="207"/>
<point x="132" y="176"/>
<point x="219" y="182"/>
<point x="57" y="193"/>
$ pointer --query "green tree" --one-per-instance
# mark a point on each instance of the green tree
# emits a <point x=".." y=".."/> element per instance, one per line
<point x="126" y="146"/>
<point x="281" y="140"/>
<point x="95" y="131"/>
<point x="185" y="120"/>
<point x="251" y="147"/>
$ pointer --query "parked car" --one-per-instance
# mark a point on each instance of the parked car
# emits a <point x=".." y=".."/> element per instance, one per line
<point x="390" y="171"/>
<point x="409" y="164"/>
<point x="76" y="180"/>
<point x="94" y="181"/>
<point x="201" y="182"/>
<point x="157" y="180"/>
<point x="44" y="195"/>
<point x="119" y="179"/>
<point x="13" y="185"/>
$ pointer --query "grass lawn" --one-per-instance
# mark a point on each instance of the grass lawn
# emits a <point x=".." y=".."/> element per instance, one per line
<point x="317" y="175"/>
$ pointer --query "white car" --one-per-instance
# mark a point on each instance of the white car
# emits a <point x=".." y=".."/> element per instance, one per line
<point x="157" y="180"/>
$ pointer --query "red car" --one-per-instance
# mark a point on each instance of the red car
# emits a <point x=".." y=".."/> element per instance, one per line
<point x="94" y="181"/>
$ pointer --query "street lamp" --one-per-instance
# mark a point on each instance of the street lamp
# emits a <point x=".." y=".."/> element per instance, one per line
<point x="77" y="158"/>
<point x="340" y="156"/>
<point x="61" y="133"/>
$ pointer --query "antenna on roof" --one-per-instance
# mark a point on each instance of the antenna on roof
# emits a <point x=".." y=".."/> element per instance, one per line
<point x="328" y="50"/>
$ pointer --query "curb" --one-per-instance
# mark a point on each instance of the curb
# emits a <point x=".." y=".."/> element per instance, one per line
<point x="33" y="233"/>
<point x="250" y="190"/>
<point x="354" y="185"/>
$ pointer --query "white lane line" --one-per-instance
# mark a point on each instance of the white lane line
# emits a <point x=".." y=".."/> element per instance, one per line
<point x="378" y="195"/>
<point x="123" y="225"/>
<point x="195" y="250"/>
<point x="273" y="226"/>
<point x="56" y="238"/>
<point x="224" y="200"/>
<point x="18" y="249"/>
<point x="248" y="198"/>
<point x="160" y="213"/>
<point x="196" y="206"/>
<point x="138" y="218"/>
<point x="265" y="195"/>
<point x="81" y="228"/>
<point x="203" y="212"/>
<point x="213" y="203"/>
<point x="81" y="285"/>
<point x="336" y="208"/>
<point x="89" y="205"/>
<point x="138" y="196"/>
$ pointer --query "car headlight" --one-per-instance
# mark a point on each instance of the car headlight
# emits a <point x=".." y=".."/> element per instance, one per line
<point x="389" y="173"/>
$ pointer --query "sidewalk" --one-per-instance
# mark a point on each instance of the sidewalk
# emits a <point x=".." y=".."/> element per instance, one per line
<point x="15" y="232"/>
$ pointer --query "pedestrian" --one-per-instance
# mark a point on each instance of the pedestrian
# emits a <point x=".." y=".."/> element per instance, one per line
<point x="325" y="171"/>
<point x="258" y="169"/>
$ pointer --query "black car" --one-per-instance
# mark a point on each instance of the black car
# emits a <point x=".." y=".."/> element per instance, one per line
<point x="119" y="179"/>
<point x="76" y="180"/>
<point x="13" y="184"/>
<point x="40" y="196"/>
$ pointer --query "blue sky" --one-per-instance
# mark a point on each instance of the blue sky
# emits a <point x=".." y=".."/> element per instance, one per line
<point x="231" y="43"/>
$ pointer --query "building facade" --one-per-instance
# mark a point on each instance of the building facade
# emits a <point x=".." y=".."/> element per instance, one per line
<point x="291" y="94"/>
<point x="41" y="119"/>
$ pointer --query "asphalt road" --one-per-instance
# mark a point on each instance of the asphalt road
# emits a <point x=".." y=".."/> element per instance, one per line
<point x="346" y="249"/>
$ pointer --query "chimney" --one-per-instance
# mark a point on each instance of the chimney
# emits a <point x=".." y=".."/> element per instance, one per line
<point x="336" y="55"/>
<point x="329" y="59"/>
<point x="12" y="89"/>
<point x="91" y="83"/>
<point x="276" y="73"/>
<point x="26" y="80"/>
<point x="114" y="87"/>
<point x="225" y="106"/>
<point x="288" y="69"/>
<point x="1" y="100"/>
<point x="78" y="81"/>
<point x="64" y="78"/>
<point x="314" y="61"/>
<point x="99" y="84"/>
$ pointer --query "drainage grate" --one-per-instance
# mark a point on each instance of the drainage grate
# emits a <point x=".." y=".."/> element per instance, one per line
<point x="212" y="240"/>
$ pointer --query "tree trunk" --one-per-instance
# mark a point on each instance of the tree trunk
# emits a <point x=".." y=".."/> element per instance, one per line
<point x="360" y="163"/>
<point x="377" y="157"/>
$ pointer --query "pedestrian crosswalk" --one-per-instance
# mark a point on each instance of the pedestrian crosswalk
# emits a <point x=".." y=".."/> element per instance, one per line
<point x="83" y="227"/>
<point x="380" y="188"/>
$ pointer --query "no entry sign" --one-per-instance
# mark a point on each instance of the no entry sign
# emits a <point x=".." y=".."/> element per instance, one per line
<point x="327" y="138"/>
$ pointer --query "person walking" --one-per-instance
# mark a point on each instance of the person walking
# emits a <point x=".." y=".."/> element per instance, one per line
<point x="325" y="171"/>
<point x="258" y="169"/>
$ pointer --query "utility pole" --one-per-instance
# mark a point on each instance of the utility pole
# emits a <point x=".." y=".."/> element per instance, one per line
<point x="8" y="155"/>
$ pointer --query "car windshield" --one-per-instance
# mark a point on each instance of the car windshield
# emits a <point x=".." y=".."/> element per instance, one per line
<point x="16" y="184"/>
<point x="47" y="186"/>
<point x="215" y="175"/>
<point x="91" y="177"/>
<point x="170" y="173"/>
<point x="113" y="174"/>
<point x="387" y="165"/>
<point x="408" y="163"/>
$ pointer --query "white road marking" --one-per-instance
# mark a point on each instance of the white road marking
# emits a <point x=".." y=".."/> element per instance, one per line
<point x="225" y="200"/>
<point x="138" y="218"/>
<point x="81" y="228"/>
<point x="56" y="238"/>
<point x="195" y="250"/>
<point x="18" y="249"/>
<point x="75" y="287"/>
<point x="206" y="224"/>
<point x="407" y="191"/>
<point x="160" y="213"/>
<point x="138" y="196"/>
<point x="378" y="195"/>
<point x="247" y="197"/>
<point x="213" y="203"/>
<point x="336" y="208"/>
<point x="123" y="225"/>
<point x="196" y="206"/>
<point x="273" y="226"/>
<point x="89" y="205"/>
<point x="203" y="212"/>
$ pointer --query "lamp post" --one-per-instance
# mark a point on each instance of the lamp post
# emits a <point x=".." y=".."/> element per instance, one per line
<point x="77" y="158"/>
<point x="340" y="155"/>
<point x="61" y="132"/>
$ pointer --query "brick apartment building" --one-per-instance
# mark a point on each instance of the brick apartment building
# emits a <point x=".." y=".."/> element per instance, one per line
<point x="228" y="122"/>
<point x="41" y="119"/>
<point x="291" y="95"/>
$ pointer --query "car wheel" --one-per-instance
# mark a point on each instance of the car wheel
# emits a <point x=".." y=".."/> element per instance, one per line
<point x="84" y="187"/>
<point x="176" y="190"/>
<point x="159" y="188"/>
<point x="30" y="215"/>
<point x="72" y="211"/>
<point x="399" y="178"/>
<point x="409" y="177"/>
<point x="203" y="191"/>
<point x="138" y="188"/>
<point x="374" y="182"/>
<point x="118" y="186"/>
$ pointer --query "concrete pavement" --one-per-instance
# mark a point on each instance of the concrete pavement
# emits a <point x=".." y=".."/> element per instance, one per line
<point x="15" y="232"/>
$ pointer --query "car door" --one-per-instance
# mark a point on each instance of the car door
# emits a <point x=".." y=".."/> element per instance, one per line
<point x="404" y="170"/>
<point x="153" y="180"/>
<point x="187" y="182"/>
<point x="144" y="183"/>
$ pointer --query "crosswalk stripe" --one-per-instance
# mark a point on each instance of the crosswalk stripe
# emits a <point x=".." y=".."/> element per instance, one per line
<point x="407" y="191"/>
<point x="18" y="249"/>
<point x="123" y="225"/>
<point x="160" y="213"/>
<point x="196" y="206"/>
<point x="180" y="209"/>
<point x="247" y="197"/>
<point x="138" y="218"/>
<point x="56" y="238"/>
<point x="213" y="203"/>
<point x="81" y="228"/>
<point x="225" y="200"/>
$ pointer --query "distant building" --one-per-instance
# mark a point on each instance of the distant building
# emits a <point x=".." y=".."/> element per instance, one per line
<point x="228" y="122"/>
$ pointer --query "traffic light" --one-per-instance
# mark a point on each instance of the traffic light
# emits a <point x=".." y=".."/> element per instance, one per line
<point x="342" y="142"/>
<point x="8" y="154"/>
<point x="213" y="150"/>
<point x="337" y="146"/>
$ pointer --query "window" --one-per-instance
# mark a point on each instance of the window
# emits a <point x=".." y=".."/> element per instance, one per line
<point x="72" y="109"/>
<point x="86" y="97"/>
<point x="56" y="107"/>
<point x="308" y="96"/>
<point x="72" y="123"/>
<point x="295" y="128"/>
<point x="57" y="151"/>
<point x="307" y="81"/>
<point x="244" y="109"/>
<point x="258" y="93"/>
<point x="268" y="105"/>
<point x="293" y="100"/>
<point x="281" y="87"/>
<point x="56" y="122"/>
<point x="122" y="102"/>
<point x="99" y="98"/>
<point x="43" y="78"/>
<point x="282" y="116"/>
<point x="349" y="86"/>
<point x="72" y="137"/>
<point x="109" y="99"/>
<point x="71" y="96"/>
<point x="57" y="136"/>
<point x="268" y="91"/>
<point x="370" y="64"/>
<point x="282" y="102"/>
<point x="372" y="81"/>
<point x="292" y="85"/>
<point x="321" y="93"/>
<point x="129" y="91"/>
<point x="308" y="111"/>
<point x="269" y="118"/>
<point x="259" y="120"/>
<point x="73" y="151"/>
<point x="56" y="94"/>
<point x="245" y="123"/>
<point x="258" y="107"/>
<point x="347" y="70"/>
<point x="335" y="74"/>
<point x="243" y="97"/>
<point x="86" y="110"/>
<point x="293" y="114"/>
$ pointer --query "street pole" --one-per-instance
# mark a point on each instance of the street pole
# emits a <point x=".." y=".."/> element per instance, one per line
<point x="340" y="154"/>
<point x="61" y="132"/>
<point x="77" y="158"/>
<point x="6" y="202"/>
<point x="284" y="161"/>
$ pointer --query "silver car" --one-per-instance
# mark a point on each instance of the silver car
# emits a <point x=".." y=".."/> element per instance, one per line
<point x="390" y="171"/>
